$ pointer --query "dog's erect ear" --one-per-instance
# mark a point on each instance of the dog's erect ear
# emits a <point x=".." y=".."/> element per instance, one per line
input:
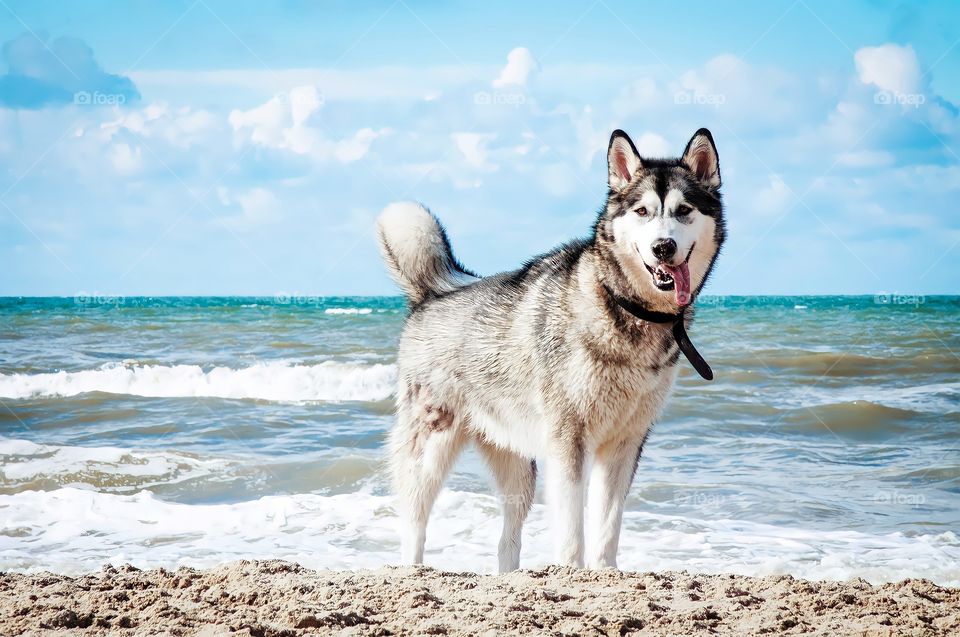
<point x="701" y="158"/>
<point x="623" y="160"/>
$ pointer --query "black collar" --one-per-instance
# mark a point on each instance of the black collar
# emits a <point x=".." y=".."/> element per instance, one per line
<point x="679" y="331"/>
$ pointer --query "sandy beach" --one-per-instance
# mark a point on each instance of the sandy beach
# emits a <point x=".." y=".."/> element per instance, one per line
<point x="280" y="599"/>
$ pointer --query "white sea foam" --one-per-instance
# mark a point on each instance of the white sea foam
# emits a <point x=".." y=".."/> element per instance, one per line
<point x="22" y="461"/>
<point x="347" y="310"/>
<point x="72" y="530"/>
<point x="278" y="380"/>
<point x="935" y="398"/>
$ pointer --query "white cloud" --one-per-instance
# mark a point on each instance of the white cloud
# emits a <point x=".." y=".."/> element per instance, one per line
<point x="637" y="96"/>
<point x="552" y="147"/>
<point x="559" y="180"/>
<point x="749" y="98"/>
<point x="520" y="64"/>
<point x="125" y="160"/>
<point x="865" y="159"/>
<point x="361" y="84"/>
<point x="889" y="67"/>
<point x="713" y="75"/>
<point x="888" y="95"/>
<point x="752" y="95"/>
<point x="775" y="198"/>
<point x="9" y="130"/>
<point x="304" y="101"/>
<point x="356" y="147"/>
<point x="473" y="148"/>
<point x="281" y="122"/>
<point x="182" y="127"/>
<point x="285" y="122"/>
<point x="653" y="145"/>
<point x="590" y="140"/>
<point x="895" y="71"/>
<point x="258" y="206"/>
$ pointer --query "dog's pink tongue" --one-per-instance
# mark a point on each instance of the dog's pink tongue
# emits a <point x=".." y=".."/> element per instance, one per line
<point x="681" y="283"/>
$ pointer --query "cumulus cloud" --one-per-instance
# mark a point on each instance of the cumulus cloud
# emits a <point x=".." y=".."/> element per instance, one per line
<point x="755" y="97"/>
<point x="559" y="179"/>
<point x="286" y="122"/>
<point x="390" y="82"/>
<point x="258" y="206"/>
<point x="590" y="139"/>
<point x="520" y="65"/>
<point x="773" y="127"/>
<point x="775" y="198"/>
<point x="350" y="149"/>
<point x="890" y="96"/>
<point x="638" y="95"/>
<point x="866" y="159"/>
<point x="889" y="67"/>
<point x="473" y="149"/>
<point x="126" y="160"/>
<point x="751" y="98"/>
<point x="653" y="145"/>
<point x="282" y="121"/>
<point x="63" y="71"/>
<point x="181" y="127"/>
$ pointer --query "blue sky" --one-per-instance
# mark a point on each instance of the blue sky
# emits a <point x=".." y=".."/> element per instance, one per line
<point x="206" y="147"/>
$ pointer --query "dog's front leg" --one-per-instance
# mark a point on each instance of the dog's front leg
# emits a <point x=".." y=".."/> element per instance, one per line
<point x="565" y="498"/>
<point x="613" y="467"/>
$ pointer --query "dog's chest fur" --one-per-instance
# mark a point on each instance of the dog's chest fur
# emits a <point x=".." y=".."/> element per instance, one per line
<point x="620" y="380"/>
<point x="526" y="362"/>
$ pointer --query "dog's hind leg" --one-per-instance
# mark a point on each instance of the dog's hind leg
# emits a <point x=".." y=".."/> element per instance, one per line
<point x="613" y="469"/>
<point x="423" y="445"/>
<point x="516" y="479"/>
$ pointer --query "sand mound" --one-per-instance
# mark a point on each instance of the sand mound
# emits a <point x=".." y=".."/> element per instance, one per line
<point x="280" y="599"/>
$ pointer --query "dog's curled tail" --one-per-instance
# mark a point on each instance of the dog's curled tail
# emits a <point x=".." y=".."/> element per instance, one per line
<point x="417" y="252"/>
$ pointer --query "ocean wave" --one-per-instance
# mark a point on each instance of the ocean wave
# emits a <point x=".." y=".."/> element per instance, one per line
<point x="816" y="364"/>
<point x="348" y="310"/>
<point x="899" y="402"/>
<point x="72" y="530"/>
<point x="179" y="475"/>
<point x="276" y="381"/>
<point x="24" y="464"/>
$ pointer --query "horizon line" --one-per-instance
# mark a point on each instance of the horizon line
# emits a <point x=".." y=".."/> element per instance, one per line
<point x="293" y="297"/>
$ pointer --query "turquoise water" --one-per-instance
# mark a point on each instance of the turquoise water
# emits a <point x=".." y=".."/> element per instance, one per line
<point x="197" y="430"/>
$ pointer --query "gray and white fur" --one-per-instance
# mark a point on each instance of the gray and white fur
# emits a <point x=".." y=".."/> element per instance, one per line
<point x="542" y="362"/>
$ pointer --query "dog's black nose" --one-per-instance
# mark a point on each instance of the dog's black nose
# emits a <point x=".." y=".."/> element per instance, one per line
<point x="664" y="249"/>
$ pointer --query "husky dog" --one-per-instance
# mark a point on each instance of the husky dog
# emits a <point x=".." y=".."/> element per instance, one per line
<point x="570" y="358"/>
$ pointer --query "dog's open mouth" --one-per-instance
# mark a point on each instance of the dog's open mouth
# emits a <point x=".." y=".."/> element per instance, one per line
<point x="673" y="277"/>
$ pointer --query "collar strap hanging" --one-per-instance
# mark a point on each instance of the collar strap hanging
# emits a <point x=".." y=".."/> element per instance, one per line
<point x="679" y="331"/>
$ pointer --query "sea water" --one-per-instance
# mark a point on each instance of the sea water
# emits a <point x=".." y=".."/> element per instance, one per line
<point x="194" y="431"/>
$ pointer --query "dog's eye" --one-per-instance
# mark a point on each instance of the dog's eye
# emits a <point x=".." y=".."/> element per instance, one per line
<point x="642" y="211"/>
<point x="684" y="210"/>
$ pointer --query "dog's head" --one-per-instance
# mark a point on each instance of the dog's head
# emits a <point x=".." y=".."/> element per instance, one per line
<point x="663" y="220"/>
